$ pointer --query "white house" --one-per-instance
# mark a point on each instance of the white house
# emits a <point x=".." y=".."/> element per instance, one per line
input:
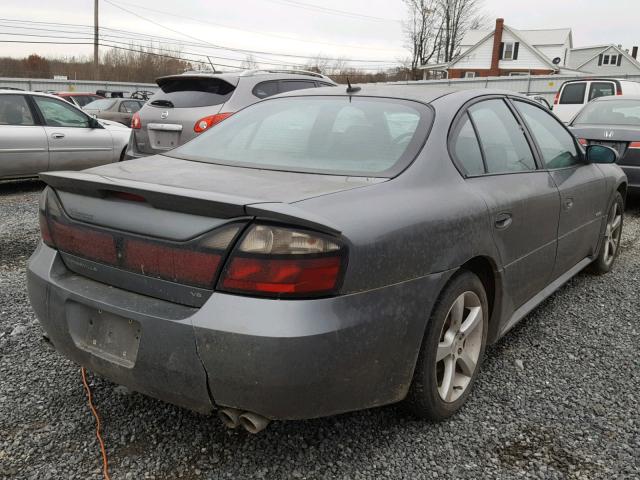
<point x="505" y="50"/>
<point x="604" y="60"/>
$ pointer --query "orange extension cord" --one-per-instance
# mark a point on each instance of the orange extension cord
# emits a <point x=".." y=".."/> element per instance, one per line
<point x="105" y="464"/>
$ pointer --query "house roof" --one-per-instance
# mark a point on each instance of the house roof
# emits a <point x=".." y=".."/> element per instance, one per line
<point x="555" y="36"/>
<point x="602" y="49"/>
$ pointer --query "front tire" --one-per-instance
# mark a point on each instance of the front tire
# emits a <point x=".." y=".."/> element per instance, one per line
<point x="452" y="350"/>
<point x="610" y="245"/>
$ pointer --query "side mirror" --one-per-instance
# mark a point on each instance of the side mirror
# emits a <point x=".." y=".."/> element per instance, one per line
<point x="601" y="154"/>
<point x="94" y="123"/>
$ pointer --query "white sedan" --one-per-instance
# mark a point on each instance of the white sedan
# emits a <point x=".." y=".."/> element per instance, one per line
<point x="41" y="132"/>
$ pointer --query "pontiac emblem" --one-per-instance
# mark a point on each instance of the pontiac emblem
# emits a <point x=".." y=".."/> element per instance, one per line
<point x="164" y="114"/>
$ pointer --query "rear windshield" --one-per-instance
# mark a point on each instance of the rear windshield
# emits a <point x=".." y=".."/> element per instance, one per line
<point x="191" y="92"/>
<point x="573" y="93"/>
<point x="337" y="135"/>
<point x="103" y="104"/>
<point x="611" y="112"/>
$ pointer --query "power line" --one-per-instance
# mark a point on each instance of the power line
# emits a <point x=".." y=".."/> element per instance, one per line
<point x="333" y="11"/>
<point x="268" y="34"/>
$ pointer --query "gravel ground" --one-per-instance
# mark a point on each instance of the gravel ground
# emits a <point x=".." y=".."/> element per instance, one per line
<point x="558" y="398"/>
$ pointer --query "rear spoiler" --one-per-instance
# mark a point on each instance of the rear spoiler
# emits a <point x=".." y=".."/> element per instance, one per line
<point x="197" y="202"/>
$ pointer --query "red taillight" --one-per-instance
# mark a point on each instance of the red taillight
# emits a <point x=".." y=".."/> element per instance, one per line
<point x="45" y="232"/>
<point x="634" y="145"/>
<point x="556" y="98"/>
<point x="583" y="141"/>
<point x="618" y="90"/>
<point x="84" y="242"/>
<point x="282" y="262"/>
<point x="208" y="122"/>
<point x="136" y="123"/>
<point x="175" y="264"/>
<point x="296" y="276"/>
<point x="131" y="197"/>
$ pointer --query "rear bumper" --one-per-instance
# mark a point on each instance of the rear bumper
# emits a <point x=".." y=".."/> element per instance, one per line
<point x="132" y="149"/>
<point x="282" y="359"/>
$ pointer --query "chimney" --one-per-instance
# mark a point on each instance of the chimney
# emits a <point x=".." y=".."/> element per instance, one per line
<point x="497" y="48"/>
<point x="634" y="52"/>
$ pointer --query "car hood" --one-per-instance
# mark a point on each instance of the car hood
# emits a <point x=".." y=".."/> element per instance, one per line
<point x="255" y="185"/>
<point x="620" y="133"/>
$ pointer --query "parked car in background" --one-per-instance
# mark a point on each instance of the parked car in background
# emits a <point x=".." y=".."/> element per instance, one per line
<point x="540" y="99"/>
<point x="574" y="94"/>
<point x="79" y="99"/>
<point x="323" y="251"/>
<point x="614" y="122"/>
<point x="41" y="132"/>
<point x="117" y="109"/>
<point x="113" y="93"/>
<point x="191" y="103"/>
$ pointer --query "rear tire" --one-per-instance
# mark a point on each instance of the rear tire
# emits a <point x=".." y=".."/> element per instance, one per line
<point x="123" y="154"/>
<point x="610" y="244"/>
<point x="452" y="350"/>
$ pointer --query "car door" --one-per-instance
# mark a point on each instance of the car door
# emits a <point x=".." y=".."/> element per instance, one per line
<point x="126" y="109"/>
<point x="581" y="185"/>
<point x="73" y="143"/>
<point x="572" y="97"/>
<point x="23" y="142"/>
<point x="523" y="201"/>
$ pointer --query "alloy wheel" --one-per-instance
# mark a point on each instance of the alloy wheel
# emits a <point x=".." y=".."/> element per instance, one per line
<point x="459" y="347"/>
<point x="612" y="233"/>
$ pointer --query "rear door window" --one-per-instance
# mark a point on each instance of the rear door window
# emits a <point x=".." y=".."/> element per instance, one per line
<point x="189" y="92"/>
<point x="601" y="89"/>
<point x="466" y="148"/>
<point x="14" y="110"/>
<point x="502" y="140"/>
<point x="573" y="93"/>
<point x="129" y="107"/>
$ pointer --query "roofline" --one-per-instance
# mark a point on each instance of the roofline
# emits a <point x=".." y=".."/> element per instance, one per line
<point x="633" y="61"/>
<point x="466" y="52"/>
<point x="592" y="46"/>
<point x="535" y="50"/>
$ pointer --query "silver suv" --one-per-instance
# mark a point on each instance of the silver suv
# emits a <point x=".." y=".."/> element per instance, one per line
<point x="190" y="103"/>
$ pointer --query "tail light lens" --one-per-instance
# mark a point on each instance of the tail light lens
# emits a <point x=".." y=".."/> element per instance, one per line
<point x="556" y="99"/>
<point x="634" y="145"/>
<point x="208" y="122"/>
<point x="583" y="141"/>
<point x="284" y="263"/>
<point x="136" y="123"/>
<point x="618" y="90"/>
<point x="194" y="263"/>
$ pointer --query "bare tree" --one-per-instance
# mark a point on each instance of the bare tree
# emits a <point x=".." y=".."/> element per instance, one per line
<point x="457" y="17"/>
<point x="422" y="31"/>
<point x="249" y="63"/>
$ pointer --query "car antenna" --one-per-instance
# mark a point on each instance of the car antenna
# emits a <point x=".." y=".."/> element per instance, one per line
<point x="351" y="89"/>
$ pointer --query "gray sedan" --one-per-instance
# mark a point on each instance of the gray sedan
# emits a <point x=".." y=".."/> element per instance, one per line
<point x="41" y="132"/>
<point x="323" y="251"/>
<point x="613" y="121"/>
<point x="119" y="110"/>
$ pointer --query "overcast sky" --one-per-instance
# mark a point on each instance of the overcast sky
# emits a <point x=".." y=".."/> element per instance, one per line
<point x="374" y="34"/>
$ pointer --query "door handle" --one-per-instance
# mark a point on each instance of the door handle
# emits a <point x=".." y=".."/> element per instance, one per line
<point x="57" y="135"/>
<point x="568" y="203"/>
<point x="503" y="220"/>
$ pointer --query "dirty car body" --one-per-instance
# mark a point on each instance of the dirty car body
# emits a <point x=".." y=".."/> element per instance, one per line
<point x="382" y="225"/>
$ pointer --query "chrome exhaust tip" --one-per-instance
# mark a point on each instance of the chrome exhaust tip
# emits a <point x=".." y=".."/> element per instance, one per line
<point x="230" y="417"/>
<point x="253" y="423"/>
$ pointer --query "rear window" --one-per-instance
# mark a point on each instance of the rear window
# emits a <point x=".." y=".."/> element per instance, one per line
<point x="573" y="93"/>
<point x="610" y="112"/>
<point x="601" y="89"/>
<point x="337" y="135"/>
<point x="191" y="92"/>
<point x="102" y="104"/>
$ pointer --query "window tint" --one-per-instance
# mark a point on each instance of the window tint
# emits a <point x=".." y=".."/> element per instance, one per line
<point x="573" y="93"/>
<point x="189" y="92"/>
<point x="557" y="146"/>
<point x="266" y="89"/>
<point x="83" y="100"/>
<point x="466" y="148"/>
<point x="601" y="89"/>
<point x="360" y="136"/>
<point x="129" y="107"/>
<point x="503" y="142"/>
<point x="290" y="85"/>
<point x="58" y="114"/>
<point x="14" y="110"/>
<point x="610" y="112"/>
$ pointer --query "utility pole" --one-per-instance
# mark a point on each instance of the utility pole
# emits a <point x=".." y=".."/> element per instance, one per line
<point x="96" y="60"/>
